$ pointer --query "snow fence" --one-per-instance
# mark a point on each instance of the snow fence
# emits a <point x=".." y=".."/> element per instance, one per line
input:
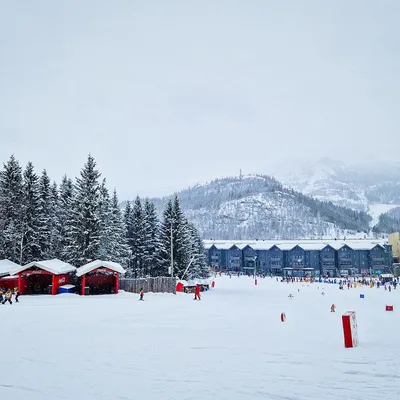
<point x="153" y="285"/>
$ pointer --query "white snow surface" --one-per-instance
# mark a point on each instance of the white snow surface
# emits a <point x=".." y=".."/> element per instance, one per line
<point x="230" y="345"/>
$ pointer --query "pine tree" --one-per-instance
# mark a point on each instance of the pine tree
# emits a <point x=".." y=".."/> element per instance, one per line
<point x="86" y="227"/>
<point x="65" y="214"/>
<point x="55" y="237"/>
<point x="151" y="238"/>
<point x="30" y="247"/>
<point x="166" y="238"/>
<point x="45" y="217"/>
<point x="104" y="249"/>
<point x="11" y="202"/>
<point x="119" y="249"/>
<point x="181" y="238"/>
<point x="136" y="238"/>
<point x="175" y="224"/>
<point x="128" y="236"/>
<point x="198" y="263"/>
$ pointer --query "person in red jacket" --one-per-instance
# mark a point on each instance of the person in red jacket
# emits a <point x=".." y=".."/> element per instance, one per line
<point x="197" y="293"/>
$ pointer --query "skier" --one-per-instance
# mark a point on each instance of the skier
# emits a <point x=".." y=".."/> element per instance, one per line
<point x="141" y="293"/>
<point x="1" y="296"/>
<point x="333" y="308"/>
<point x="197" y="293"/>
<point x="17" y="294"/>
<point x="348" y="285"/>
<point x="7" y="297"/>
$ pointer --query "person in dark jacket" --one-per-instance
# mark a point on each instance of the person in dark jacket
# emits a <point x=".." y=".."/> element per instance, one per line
<point x="141" y="293"/>
<point x="17" y="294"/>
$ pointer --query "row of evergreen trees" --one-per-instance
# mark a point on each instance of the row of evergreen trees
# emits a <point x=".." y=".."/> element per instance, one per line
<point x="80" y="221"/>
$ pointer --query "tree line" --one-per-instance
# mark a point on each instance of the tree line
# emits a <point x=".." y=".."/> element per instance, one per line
<point x="80" y="221"/>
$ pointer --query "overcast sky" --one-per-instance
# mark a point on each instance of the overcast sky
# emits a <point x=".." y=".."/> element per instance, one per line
<point x="165" y="94"/>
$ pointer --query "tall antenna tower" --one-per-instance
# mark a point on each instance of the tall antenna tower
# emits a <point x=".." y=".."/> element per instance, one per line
<point x="240" y="174"/>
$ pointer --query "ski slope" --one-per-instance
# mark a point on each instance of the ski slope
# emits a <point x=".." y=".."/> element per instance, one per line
<point x="230" y="345"/>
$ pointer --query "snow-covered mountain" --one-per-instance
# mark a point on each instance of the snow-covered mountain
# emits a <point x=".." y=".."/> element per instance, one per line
<point x="370" y="187"/>
<point x="258" y="206"/>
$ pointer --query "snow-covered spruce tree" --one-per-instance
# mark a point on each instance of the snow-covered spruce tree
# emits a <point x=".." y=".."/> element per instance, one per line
<point x="181" y="239"/>
<point x="113" y="243"/>
<point x="128" y="236"/>
<point x="86" y="227"/>
<point x="29" y="245"/>
<point x="198" y="263"/>
<point x="136" y="238"/>
<point x="174" y="217"/>
<point x="119" y="249"/>
<point x="104" y="212"/>
<point x="45" y="217"/>
<point x="55" y="237"/>
<point x="11" y="201"/>
<point x="151" y="238"/>
<point x="66" y="220"/>
<point x="165" y="233"/>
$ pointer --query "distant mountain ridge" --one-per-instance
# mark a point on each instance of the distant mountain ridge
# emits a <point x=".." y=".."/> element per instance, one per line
<point x="321" y="199"/>
<point x="360" y="186"/>
<point x="258" y="206"/>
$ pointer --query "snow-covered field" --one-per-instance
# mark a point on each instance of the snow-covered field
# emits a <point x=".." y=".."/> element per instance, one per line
<point x="230" y="345"/>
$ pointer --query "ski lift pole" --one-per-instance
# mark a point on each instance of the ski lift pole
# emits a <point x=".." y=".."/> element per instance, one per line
<point x="190" y="263"/>
<point x="255" y="270"/>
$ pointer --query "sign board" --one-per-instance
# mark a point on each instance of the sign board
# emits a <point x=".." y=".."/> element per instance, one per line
<point x="35" y="272"/>
<point x="103" y="270"/>
<point x="350" y="329"/>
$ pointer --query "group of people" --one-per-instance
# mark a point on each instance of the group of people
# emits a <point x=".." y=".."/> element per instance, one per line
<point x="7" y="295"/>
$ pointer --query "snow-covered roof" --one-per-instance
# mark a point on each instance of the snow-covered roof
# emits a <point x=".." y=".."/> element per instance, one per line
<point x="286" y="246"/>
<point x="99" y="264"/>
<point x="312" y="246"/>
<point x="318" y="244"/>
<point x="6" y="266"/>
<point x="224" y="245"/>
<point x="56" y="267"/>
<point x="261" y="245"/>
<point x="364" y="246"/>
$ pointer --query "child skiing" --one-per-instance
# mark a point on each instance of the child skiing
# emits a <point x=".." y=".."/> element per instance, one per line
<point x="197" y="293"/>
<point x="17" y="294"/>
<point x="141" y="294"/>
<point x="7" y="297"/>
